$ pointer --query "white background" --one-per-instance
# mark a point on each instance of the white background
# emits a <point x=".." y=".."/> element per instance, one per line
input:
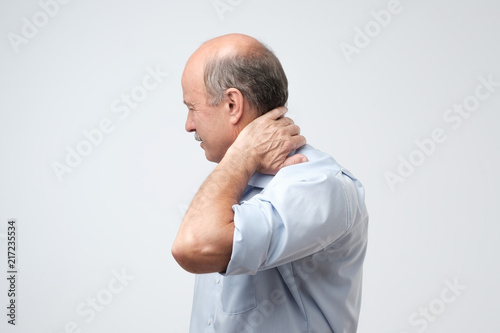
<point x="119" y="209"/>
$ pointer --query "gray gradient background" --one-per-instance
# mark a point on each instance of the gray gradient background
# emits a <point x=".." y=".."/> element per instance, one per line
<point x="120" y="209"/>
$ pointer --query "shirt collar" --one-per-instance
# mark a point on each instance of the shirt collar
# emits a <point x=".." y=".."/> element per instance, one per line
<point x="260" y="180"/>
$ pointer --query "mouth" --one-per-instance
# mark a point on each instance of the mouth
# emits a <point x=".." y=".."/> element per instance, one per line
<point x="199" y="139"/>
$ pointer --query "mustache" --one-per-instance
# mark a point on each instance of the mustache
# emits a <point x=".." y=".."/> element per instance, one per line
<point x="197" y="137"/>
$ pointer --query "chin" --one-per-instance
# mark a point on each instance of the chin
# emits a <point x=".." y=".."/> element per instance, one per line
<point x="212" y="158"/>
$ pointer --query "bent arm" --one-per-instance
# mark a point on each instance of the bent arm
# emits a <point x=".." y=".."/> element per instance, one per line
<point x="205" y="238"/>
<point x="204" y="241"/>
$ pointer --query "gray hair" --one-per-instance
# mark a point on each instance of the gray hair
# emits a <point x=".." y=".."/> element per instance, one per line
<point x="256" y="72"/>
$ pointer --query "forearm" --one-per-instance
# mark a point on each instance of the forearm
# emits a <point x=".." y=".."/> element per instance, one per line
<point x="204" y="241"/>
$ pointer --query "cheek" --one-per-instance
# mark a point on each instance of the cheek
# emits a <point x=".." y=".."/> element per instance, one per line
<point x="199" y="124"/>
<point x="211" y="129"/>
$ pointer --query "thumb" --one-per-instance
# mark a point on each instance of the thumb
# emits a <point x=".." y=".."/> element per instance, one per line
<point x="294" y="159"/>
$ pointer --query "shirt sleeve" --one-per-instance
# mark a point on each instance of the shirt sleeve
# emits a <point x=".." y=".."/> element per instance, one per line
<point x="305" y="208"/>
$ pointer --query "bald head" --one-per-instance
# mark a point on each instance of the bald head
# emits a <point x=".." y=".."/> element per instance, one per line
<point x="229" y="44"/>
<point x="242" y="62"/>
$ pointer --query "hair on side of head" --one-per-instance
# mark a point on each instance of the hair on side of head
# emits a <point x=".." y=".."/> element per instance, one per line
<point x="255" y="71"/>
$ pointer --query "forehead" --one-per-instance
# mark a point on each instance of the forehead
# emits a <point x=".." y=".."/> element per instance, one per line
<point x="193" y="92"/>
<point x="193" y="86"/>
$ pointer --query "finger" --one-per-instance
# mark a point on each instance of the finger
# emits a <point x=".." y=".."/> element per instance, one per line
<point x="276" y="113"/>
<point x="294" y="159"/>
<point x="286" y="120"/>
<point x="297" y="141"/>
<point x="291" y="130"/>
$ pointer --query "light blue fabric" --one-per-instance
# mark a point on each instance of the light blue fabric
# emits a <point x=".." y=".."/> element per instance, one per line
<point x="299" y="244"/>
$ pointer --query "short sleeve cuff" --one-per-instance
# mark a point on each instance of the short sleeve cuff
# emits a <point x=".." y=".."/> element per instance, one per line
<point x="252" y="236"/>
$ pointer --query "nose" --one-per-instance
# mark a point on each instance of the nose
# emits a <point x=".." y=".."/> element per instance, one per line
<point x="190" y="127"/>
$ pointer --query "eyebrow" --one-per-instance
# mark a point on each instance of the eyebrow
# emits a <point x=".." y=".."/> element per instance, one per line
<point x="189" y="105"/>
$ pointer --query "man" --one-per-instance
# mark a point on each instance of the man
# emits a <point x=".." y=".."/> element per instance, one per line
<point x="277" y="233"/>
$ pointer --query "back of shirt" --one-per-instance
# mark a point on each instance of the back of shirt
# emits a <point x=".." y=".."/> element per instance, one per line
<point x="298" y="250"/>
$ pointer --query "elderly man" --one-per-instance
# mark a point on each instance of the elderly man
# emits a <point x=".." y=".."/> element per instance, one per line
<point x="277" y="233"/>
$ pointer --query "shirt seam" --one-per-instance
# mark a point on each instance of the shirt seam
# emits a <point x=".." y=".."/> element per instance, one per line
<point x="299" y="294"/>
<point x="347" y="207"/>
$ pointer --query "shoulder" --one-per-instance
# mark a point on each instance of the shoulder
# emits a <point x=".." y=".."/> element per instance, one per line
<point x="321" y="177"/>
<point x="320" y="165"/>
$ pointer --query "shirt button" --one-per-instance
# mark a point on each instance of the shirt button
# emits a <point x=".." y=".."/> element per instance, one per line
<point x="209" y="322"/>
<point x="217" y="280"/>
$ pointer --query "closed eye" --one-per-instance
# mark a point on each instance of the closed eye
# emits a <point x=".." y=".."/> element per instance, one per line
<point x="190" y="106"/>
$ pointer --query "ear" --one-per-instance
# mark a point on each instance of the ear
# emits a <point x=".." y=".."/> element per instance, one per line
<point x="235" y="103"/>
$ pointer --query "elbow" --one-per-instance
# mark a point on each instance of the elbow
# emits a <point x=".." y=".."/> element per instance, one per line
<point x="198" y="258"/>
<point x="184" y="254"/>
<point x="201" y="257"/>
<point x="200" y="253"/>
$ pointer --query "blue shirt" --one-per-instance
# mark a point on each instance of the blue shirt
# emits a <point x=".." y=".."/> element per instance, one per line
<point x="298" y="249"/>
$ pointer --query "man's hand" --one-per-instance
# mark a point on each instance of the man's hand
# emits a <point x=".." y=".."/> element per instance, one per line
<point x="266" y="142"/>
